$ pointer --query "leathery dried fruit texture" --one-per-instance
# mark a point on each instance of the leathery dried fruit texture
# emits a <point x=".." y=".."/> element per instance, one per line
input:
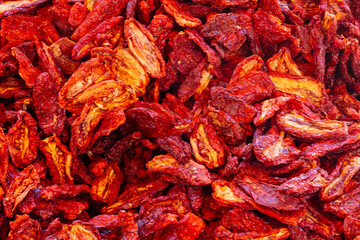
<point x="180" y="119"/>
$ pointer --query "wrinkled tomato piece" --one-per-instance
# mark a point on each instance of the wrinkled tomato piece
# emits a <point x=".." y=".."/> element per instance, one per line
<point x="76" y="230"/>
<point x="136" y="194"/>
<point x="308" y="129"/>
<point x="50" y="115"/>
<point x="27" y="180"/>
<point x="151" y="119"/>
<point x="27" y="71"/>
<point x="24" y="228"/>
<point x="269" y="27"/>
<point x="61" y="53"/>
<point x="182" y="18"/>
<point x="251" y="87"/>
<point x="189" y="227"/>
<point x="191" y="173"/>
<point x="107" y="33"/>
<point x="23" y="140"/>
<point x="274" y="148"/>
<point x="104" y="9"/>
<point x="347" y="167"/>
<point x="142" y="46"/>
<point x="207" y="146"/>
<point x="105" y="188"/>
<point x="283" y="63"/>
<point x="66" y="190"/>
<point x="58" y="159"/>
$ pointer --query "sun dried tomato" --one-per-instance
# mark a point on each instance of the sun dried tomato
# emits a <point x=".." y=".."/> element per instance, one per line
<point x="109" y="123"/>
<point x="61" y="53"/>
<point x="269" y="27"/>
<point x="163" y="211"/>
<point x="60" y="11"/>
<point x="100" y="99"/>
<point x="225" y="194"/>
<point x="50" y="115"/>
<point x="318" y="223"/>
<point x="26" y="70"/>
<point x="155" y="221"/>
<point x="11" y="87"/>
<point x="142" y="46"/>
<point x="337" y="145"/>
<point x="189" y="227"/>
<point x="90" y="72"/>
<point x="240" y="111"/>
<point x="274" y="148"/>
<point x="77" y="15"/>
<point x="123" y="223"/>
<point x="176" y="147"/>
<point x="28" y="28"/>
<point x="228" y="29"/>
<point x="185" y="55"/>
<point x="4" y="158"/>
<point x="105" y="188"/>
<point x="128" y="70"/>
<point x="160" y="27"/>
<point x="136" y="194"/>
<point x="23" y="140"/>
<point x="9" y="8"/>
<point x="66" y="190"/>
<point x="285" y="208"/>
<point x="279" y="233"/>
<point x="25" y="228"/>
<point x="76" y="230"/>
<point x="122" y="146"/>
<point x="226" y="127"/>
<point x="48" y="64"/>
<point x="317" y="44"/>
<point x="251" y="87"/>
<point x="283" y="63"/>
<point x="69" y="208"/>
<point x="306" y="183"/>
<point x="59" y="160"/>
<point x="207" y="146"/>
<point x="311" y="129"/>
<point x="191" y="173"/>
<point x="152" y="101"/>
<point x="107" y="34"/>
<point x="182" y="18"/>
<point x="27" y="180"/>
<point x="238" y="220"/>
<point x="101" y="11"/>
<point x="151" y="119"/>
<point x="196" y="82"/>
<point x="346" y="168"/>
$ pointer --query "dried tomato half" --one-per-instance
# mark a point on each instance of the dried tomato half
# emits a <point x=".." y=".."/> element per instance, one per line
<point x="23" y="140"/>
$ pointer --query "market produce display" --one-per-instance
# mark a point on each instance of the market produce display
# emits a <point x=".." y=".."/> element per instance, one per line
<point x="179" y="119"/>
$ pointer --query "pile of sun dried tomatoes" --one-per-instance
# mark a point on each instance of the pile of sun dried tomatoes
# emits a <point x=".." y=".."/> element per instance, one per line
<point x="179" y="119"/>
